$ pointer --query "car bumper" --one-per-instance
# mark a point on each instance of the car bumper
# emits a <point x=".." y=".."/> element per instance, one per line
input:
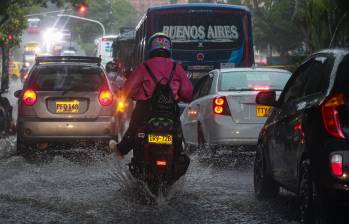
<point x="34" y="130"/>
<point x="224" y="131"/>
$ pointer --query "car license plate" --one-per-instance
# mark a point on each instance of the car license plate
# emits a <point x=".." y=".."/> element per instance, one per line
<point x="68" y="107"/>
<point x="160" y="139"/>
<point x="262" y="111"/>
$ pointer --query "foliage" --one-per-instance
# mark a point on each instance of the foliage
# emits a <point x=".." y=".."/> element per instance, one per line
<point x="113" y="14"/>
<point x="12" y="19"/>
<point x="273" y="25"/>
<point x="289" y="24"/>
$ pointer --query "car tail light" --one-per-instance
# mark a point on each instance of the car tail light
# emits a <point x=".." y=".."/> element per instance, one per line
<point x="220" y="106"/>
<point x="337" y="165"/>
<point x="261" y="88"/>
<point x="105" y="98"/>
<point x="161" y="163"/>
<point x="29" y="97"/>
<point x="330" y="116"/>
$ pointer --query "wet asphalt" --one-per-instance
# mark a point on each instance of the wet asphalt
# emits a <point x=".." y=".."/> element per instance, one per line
<point x="85" y="185"/>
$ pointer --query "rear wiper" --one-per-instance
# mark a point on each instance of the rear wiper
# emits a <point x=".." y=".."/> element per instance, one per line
<point x="65" y="91"/>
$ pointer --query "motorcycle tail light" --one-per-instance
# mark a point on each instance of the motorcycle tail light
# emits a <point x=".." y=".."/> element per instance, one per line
<point x="105" y="98"/>
<point x="330" y="116"/>
<point x="161" y="162"/>
<point x="220" y="106"/>
<point x="29" y="97"/>
<point x="337" y="165"/>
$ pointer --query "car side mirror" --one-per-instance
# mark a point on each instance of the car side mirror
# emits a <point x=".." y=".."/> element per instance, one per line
<point x="17" y="93"/>
<point x="266" y="98"/>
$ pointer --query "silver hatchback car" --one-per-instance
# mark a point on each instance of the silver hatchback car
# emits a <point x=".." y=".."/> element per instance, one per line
<point x="65" y="99"/>
<point x="223" y="110"/>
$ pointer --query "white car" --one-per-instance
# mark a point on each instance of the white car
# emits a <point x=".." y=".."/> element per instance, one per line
<point x="223" y="110"/>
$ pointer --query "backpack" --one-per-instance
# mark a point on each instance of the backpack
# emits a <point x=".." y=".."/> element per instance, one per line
<point x="164" y="108"/>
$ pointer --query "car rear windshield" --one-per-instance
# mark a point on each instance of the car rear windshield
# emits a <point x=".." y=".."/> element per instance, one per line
<point x="342" y="78"/>
<point x="253" y="80"/>
<point x="78" y="78"/>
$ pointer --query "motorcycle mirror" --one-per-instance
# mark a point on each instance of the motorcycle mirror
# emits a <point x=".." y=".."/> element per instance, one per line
<point x="17" y="93"/>
<point x="189" y="75"/>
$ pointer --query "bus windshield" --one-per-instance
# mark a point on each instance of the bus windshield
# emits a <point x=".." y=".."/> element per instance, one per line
<point x="202" y="30"/>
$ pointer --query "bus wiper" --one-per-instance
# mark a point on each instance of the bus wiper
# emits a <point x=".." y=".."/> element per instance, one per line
<point x="65" y="91"/>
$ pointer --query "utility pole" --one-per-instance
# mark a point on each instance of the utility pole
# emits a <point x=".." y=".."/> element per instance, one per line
<point x="83" y="18"/>
<point x="111" y="24"/>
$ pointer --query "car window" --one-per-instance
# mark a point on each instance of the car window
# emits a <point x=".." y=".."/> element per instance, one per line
<point x="342" y="77"/>
<point x="67" y="77"/>
<point x="252" y="80"/>
<point x="206" y="86"/>
<point x="198" y="87"/>
<point x="295" y="87"/>
<point x="319" y="74"/>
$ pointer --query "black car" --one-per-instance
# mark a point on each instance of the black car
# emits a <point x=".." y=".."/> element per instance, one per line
<point x="304" y="145"/>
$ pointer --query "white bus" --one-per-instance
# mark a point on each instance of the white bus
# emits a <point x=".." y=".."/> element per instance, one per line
<point x="104" y="48"/>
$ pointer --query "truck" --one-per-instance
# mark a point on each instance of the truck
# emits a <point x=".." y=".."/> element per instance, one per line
<point x="104" y="48"/>
<point x="30" y="50"/>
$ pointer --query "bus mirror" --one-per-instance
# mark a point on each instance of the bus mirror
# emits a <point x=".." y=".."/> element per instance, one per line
<point x="189" y="75"/>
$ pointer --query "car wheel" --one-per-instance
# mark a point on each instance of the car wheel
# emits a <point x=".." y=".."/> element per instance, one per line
<point x="311" y="206"/>
<point x="24" y="149"/>
<point x="103" y="146"/>
<point x="201" y="137"/>
<point x="203" y="145"/>
<point x="188" y="148"/>
<point x="264" y="185"/>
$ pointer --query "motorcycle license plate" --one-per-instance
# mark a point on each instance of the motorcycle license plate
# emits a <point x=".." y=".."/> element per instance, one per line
<point x="68" y="107"/>
<point x="262" y="111"/>
<point x="160" y="139"/>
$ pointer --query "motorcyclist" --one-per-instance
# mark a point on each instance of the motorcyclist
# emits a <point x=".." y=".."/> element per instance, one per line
<point x="23" y="72"/>
<point x="140" y="86"/>
<point x="110" y="69"/>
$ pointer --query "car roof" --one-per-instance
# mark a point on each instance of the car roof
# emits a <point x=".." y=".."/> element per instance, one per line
<point x="335" y="51"/>
<point x="257" y="69"/>
<point x="68" y="63"/>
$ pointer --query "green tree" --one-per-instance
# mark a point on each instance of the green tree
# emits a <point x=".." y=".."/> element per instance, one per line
<point x="324" y="23"/>
<point x="12" y="24"/>
<point x="273" y="25"/>
<point x="113" y="14"/>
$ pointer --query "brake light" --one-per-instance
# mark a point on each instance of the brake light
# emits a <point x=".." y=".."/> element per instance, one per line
<point x="220" y="106"/>
<point x="121" y="106"/>
<point x="29" y="97"/>
<point x="105" y="98"/>
<point x="337" y="165"/>
<point x="261" y="88"/>
<point x="161" y="163"/>
<point x="330" y="116"/>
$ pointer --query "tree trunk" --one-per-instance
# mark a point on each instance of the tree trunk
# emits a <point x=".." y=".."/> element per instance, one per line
<point x="5" y="61"/>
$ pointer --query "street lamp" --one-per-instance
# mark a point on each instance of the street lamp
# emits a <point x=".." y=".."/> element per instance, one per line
<point x="83" y="18"/>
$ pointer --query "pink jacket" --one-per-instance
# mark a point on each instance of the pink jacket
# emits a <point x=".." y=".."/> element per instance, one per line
<point x="140" y="82"/>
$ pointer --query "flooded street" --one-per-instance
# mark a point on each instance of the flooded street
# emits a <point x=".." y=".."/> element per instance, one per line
<point x="86" y="186"/>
